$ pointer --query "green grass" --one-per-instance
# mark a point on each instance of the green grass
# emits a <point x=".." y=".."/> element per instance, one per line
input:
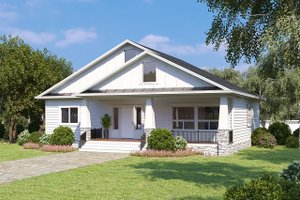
<point x="14" y="152"/>
<point x="154" y="178"/>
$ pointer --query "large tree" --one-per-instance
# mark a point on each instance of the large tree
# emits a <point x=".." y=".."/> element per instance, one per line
<point x="24" y="73"/>
<point x="252" y="28"/>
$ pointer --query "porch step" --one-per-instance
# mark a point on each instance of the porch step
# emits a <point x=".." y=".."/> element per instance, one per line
<point x="111" y="146"/>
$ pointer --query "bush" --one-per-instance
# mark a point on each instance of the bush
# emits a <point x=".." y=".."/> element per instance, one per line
<point x="292" y="142"/>
<point x="2" y="130"/>
<point x="292" y="173"/>
<point x="266" y="187"/>
<point x="266" y="141"/>
<point x="23" y="137"/>
<point x="62" y="136"/>
<point x="296" y="133"/>
<point x="34" y="125"/>
<point x="45" y="139"/>
<point x="256" y="135"/>
<point x="163" y="153"/>
<point x="35" y="137"/>
<point x="20" y="129"/>
<point x="281" y="131"/>
<point x="57" y="148"/>
<point x="291" y="189"/>
<point x="180" y="143"/>
<point x="31" y="145"/>
<point x="161" y="139"/>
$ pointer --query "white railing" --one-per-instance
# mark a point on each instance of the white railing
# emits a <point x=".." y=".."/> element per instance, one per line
<point x="197" y="136"/>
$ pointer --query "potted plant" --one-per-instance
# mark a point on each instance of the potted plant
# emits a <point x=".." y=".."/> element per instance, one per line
<point x="106" y="123"/>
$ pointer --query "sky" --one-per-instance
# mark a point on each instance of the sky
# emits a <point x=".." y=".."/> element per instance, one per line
<point x="82" y="30"/>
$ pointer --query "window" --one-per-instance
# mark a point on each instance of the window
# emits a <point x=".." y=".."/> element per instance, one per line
<point x="138" y="120"/>
<point x="149" y="72"/>
<point x="208" y="118"/>
<point x="183" y="118"/>
<point x="69" y="115"/>
<point x="116" y="118"/>
<point x="129" y="53"/>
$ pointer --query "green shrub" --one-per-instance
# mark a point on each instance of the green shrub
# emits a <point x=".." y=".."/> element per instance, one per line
<point x="2" y="130"/>
<point x="292" y="173"/>
<point x="256" y="134"/>
<point x="266" y="187"/>
<point x="296" y="133"/>
<point x="180" y="143"/>
<point x="161" y="139"/>
<point x="35" y="137"/>
<point x="45" y="139"/>
<point x="291" y="189"/>
<point x="23" y="137"/>
<point x="20" y="129"/>
<point x="292" y="142"/>
<point x="62" y="136"/>
<point x="266" y="140"/>
<point x="281" y="131"/>
<point x="34" y="125"/>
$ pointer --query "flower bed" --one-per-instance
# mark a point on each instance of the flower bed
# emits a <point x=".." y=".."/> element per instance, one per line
<point x="163" y="153"/>
<point x="57" y="148"/>
<point x="31" y="145"/>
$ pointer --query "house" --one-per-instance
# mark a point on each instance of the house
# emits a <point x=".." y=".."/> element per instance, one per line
<point x="143" y="89"/>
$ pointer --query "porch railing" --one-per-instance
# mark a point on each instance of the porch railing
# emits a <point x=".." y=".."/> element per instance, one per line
<point x="197" y="136"/>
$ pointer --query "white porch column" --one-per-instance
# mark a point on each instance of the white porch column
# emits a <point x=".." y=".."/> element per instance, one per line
<point x="149" y="115"/>
<point x="85" y="122"/>
<point x="223" y="113"/>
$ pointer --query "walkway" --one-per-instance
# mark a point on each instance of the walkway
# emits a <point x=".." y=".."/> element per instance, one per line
<point x="25" y="168"/>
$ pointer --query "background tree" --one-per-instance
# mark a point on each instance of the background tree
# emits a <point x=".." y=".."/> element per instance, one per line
<point x="252" y="28"/>
<point x="25" y="73"/>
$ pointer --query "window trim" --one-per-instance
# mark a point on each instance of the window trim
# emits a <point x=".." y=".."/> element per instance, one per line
<point x="69" y="115"/>
<point x="143" y="74"/>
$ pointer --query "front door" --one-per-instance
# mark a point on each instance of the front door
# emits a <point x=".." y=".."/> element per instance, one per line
<point x="127" y="124"/>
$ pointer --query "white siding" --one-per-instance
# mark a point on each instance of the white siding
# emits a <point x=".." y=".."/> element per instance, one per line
<point x="53" y="115"/>
<point x="241" y="131"/>
<point x="96" y="73"/>
<point x="167" y="76"/>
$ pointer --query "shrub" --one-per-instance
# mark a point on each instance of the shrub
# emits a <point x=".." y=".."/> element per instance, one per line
<point x="2" y="130"/>
<point x="45" y="139"/>
<point x="161" y="139"/>
<point x="34" y="125"/>
<point x="23" y="137"/>
<point x="31" y="145"/>
<point x="281" y="131"/>
<point x="292" y="142"/>
<point x="266" y="140"/>
<point x="180" y="143"/>
<point x="35" y="137"/>
<point x="62" y="136"/>
<point x="296" y="133"/>
<point x="57" y="148"/>
<point x="266" y="187"/>
<point x="291" y="189"/>
<point x="20" y="128"/>
<point x="256" y="134"/>
<point x="292" y="173"/>
<point x="163" y="153"/>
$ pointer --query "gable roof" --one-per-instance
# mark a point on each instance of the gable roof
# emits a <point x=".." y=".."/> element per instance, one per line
<point x="218" y="82"/>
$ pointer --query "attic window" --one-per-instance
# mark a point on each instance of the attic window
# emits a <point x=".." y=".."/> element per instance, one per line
<point x="129" y="53"/>
<point x="149" y="71"/>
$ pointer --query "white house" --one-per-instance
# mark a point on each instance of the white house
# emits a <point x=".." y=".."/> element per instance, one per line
<point x="142" y="89"/>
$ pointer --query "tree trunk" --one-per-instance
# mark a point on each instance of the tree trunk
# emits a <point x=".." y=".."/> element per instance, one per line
<point x="12" y="131"/>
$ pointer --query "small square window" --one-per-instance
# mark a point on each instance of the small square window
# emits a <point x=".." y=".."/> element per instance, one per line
<point x="149" y="72"/>
<point x="74" y="115"/>
<point x="65" y="115"/>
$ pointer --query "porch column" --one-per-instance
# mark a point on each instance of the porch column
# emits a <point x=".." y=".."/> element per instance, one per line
<point x="85" y="123"/>
<point x="223" y="113"/>
<point x="149" y="123"/>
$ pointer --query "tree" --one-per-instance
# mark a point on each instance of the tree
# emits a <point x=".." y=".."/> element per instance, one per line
<point x="229" y="74"/>
<point x="251" y="28"/>
<point x="25" y="73"/>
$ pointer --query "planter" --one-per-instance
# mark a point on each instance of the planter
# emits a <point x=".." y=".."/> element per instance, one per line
<point x="106" y="133"/>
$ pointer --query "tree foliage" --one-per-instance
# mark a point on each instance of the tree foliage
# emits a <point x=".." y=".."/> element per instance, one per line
<point x="25" y="73"/>
<point x="251" y="28"/>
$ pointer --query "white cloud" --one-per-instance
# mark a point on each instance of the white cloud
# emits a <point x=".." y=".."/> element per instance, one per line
<point x="7" y="13"/>
<point x="165" y="44"/>
<point x="76" y="36"/>
<point x="30" y="36"/>
<point x="243" y="67"/>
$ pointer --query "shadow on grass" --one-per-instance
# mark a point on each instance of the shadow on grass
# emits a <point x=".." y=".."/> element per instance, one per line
<point x="208" y="173"/>
<point x="278" y="155"/>
<point x="197" y="198"/>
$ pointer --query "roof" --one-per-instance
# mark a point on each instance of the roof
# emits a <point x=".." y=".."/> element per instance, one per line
<point x="197" y="70"/>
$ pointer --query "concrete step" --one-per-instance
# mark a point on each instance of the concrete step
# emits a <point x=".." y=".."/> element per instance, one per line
<point x="111" y="146"/>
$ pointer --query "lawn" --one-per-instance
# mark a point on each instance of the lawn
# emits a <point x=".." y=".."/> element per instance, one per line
<point x="14" y="152"/>
<point x="194" y="177"/>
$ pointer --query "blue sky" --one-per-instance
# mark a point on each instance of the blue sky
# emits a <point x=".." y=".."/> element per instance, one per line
<point x="82" y="30"/>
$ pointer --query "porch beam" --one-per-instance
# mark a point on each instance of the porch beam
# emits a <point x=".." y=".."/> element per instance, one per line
<point x="149" y="115"/>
